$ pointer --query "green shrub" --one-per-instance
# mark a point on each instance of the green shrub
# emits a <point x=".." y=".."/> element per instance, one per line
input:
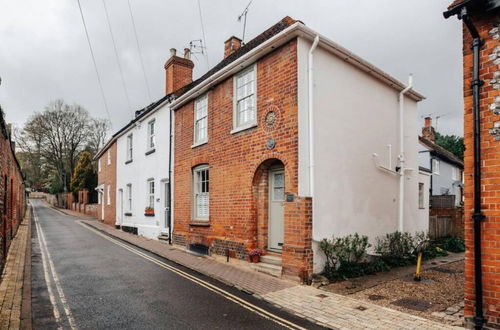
<point x="345" y="256"/>
<point x="396" y="249"/>
<point x="454" y="244"/>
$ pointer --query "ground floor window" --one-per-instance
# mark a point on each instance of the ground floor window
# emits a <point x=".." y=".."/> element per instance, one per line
<point x="151" y="193"/>
<point x="421" y="195"/>
<point x="201" y="192"/>
<point x="129" y="197"/>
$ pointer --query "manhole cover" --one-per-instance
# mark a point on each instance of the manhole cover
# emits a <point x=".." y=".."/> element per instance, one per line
<point x="375" y="297"/>
<point x="412" y="303"/>
<point x="321" y="296"/>
<point x="446" y="270"/>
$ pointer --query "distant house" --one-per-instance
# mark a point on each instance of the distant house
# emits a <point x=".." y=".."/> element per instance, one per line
<point x="291" y="139"/>
<point x="446" y="168"/>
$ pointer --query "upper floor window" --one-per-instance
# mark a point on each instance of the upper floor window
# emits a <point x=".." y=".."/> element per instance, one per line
<point x="435" y="166"/>
<point x="200" y="192"/>
<point x="200" y="119"/>
<point x="99" y="165"/>
<point x="151" y="135"/>
<point x="129" y="146"/>
<point x="245" y="110"/>
<point x="454" y="173"/>
<point x="109" y="157"/>
<point x="151" y="193"/>
<point x="108" y="193"/>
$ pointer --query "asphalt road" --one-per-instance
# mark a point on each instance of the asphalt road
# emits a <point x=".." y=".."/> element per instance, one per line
<point x="81" y="280"/>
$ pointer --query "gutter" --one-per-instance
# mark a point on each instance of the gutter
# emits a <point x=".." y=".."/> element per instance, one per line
<point x="477" y="216"/>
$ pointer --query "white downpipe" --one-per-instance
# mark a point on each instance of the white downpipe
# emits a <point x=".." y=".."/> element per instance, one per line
<point x="310" y="98"/>
<point x="402" y="154"/>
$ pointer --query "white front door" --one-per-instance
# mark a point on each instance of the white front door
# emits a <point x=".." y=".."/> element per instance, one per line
<point x="120" y="216"/>
<point x="165" y="207"/>
<point x="276" y="209"/>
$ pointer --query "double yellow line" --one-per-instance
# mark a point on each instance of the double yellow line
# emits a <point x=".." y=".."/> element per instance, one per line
<point x="243" y="303"/>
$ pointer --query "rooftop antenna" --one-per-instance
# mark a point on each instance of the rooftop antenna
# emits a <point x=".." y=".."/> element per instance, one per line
<point x="196" y="46"/>
<point x="244" y="14"/>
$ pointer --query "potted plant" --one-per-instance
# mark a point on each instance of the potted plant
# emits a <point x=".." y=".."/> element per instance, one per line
<point x="254" y="255"/>
<point x="149" y="211"/>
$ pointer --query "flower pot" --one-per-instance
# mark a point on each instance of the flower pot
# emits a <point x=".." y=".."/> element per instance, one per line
<point x="254" y="259"/>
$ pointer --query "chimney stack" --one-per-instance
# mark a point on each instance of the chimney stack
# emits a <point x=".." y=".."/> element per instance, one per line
<point x="178" y="71"/>
<point x="231" y="45"/>
<point x="428" y="131"/>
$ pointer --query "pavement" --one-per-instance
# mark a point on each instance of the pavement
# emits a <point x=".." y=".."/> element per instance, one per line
<point x="13" y="307"/>
<point x="85" y="279"/>
<point x="322" y="308"/>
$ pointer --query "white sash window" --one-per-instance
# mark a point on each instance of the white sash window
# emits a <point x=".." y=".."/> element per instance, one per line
<point x="245" y="108"/>
<point x="201" y="120"/>
<point x="201" y="193"/>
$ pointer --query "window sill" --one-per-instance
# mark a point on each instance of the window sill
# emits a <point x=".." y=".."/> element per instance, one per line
<point x="197" y="144"/>
<point x="243" y="128"/>
<point x="149" y="214"/>
<point x="200" y="223"/>
<point x="149" y="152"/>
<point x="128" y="161"/>
<point x="128" y="214"/>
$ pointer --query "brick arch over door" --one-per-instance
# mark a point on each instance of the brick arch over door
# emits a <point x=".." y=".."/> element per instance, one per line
<point x="260" y="190"/>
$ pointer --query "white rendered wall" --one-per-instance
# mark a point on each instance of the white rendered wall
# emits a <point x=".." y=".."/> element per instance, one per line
<point x="356" y="115"/>
<point x="144" y="167"/>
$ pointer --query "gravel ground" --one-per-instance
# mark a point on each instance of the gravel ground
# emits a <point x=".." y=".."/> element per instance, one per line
<point x="439" y="289"/>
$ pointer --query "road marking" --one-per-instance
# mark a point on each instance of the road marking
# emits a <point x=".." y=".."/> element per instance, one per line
<point x="247" y="305"/>
<point x="47" y="259"/>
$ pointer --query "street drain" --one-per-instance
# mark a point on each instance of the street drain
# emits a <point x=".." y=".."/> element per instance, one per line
<point x="375" y="297"/>
<point x="414" y="304"/>
<point x="321" y="296"/>
<point x="361" y="308"/>
<point x="446" y="270"/>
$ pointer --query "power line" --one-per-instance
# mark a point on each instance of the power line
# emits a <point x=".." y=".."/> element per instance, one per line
<point x="139" y="50"/>
<point x="116" y="55"/>
<point x="95" y="63"/>
<point x="203" y="34"/>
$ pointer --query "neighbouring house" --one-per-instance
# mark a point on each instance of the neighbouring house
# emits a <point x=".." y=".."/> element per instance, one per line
<point x="142" y="181"/>
<point x="106" y="183"/>
<point x="481" y="90"/>
<point x="291" y="139"/>
<point x="12" y="190"/>
<point x="446" y="168"/>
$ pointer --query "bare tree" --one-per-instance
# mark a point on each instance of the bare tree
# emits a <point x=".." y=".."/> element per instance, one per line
<point x="98" y="135"/>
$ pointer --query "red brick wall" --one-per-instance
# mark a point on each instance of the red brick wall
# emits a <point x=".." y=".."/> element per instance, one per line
<point x="238" y="164"/>
<point x="107" y="176"/>
<point x="12" y="196"/>
<point x="490" y="182"/>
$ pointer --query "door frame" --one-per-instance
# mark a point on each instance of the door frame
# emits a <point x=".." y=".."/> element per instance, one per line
<point x="271" y="171"/>
<point x="164" y="206"/>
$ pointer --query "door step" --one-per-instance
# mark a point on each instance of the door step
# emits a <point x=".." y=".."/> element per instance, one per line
<point x="271" y="259"/>
<point x="163" y="237"/>
<point x="270" y="269"/>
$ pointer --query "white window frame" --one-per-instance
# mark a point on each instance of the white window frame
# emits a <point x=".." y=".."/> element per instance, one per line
<point x="150" y="193"/>
<point x="435" y="166"/>
<point x="130" y="147"/>
<point x="199" y="119"/>
<point x="454" y="174"/>
<point x="197" y="191"/>
<point x="99" y="165"/>
<point x="151" y="134"/>
<point x="109" y="156"/>
<point x="129" y="197"/>
<point x="236" y="115"/>
<point x="421" y="195"/>
<point x="108" y="192"/>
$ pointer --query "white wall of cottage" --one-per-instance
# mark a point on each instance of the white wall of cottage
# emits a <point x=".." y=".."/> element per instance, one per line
<point x="355" y="116"/>
<point x="143" y="168"/>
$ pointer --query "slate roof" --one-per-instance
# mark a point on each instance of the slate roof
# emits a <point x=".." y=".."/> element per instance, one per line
<point x="441" y="152"/>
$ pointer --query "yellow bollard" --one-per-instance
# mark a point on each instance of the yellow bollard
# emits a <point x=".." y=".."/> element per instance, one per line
<point x="419" y="265"/>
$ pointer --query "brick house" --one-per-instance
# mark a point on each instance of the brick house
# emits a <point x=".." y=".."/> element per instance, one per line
<point x="106" y="183"/>
<point x="12" y="190"/>
<point x="253" y="169"/>
<point x="481" y="88"/>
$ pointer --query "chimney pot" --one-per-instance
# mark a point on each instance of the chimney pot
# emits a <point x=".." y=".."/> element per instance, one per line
<point x="173" y="51"/>
<point x="428" y="121"/>
<point x="187" y="53"/>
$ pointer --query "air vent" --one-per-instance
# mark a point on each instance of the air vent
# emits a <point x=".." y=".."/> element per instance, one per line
<point x="199" y="249"/>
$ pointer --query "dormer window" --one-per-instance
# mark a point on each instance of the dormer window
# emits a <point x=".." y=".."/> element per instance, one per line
<point x="245" y="101"/>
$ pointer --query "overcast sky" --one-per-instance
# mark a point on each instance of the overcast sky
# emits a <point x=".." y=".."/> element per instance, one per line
<point x="44" y="53"/>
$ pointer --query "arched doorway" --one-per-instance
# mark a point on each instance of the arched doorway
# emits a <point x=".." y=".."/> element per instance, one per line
<point x="269" y="197"/>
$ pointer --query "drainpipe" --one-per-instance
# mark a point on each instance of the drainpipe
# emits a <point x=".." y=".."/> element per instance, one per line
<point x="477" y="216"/>
<point x="169" y="211"/>
<point x="310" y="97"/>
<point x="401" y="157"/>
